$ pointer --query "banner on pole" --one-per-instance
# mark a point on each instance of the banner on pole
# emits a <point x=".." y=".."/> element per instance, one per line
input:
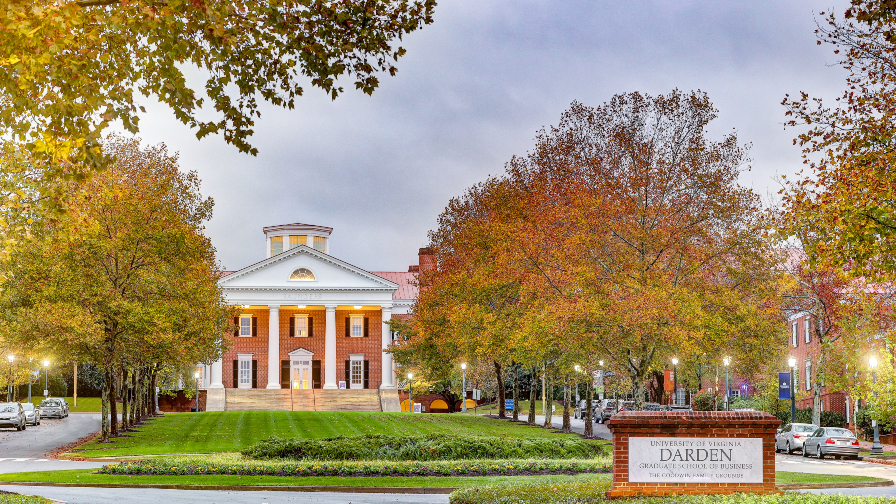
<point x="669" y="382"/>
<point x="783" y="385"/>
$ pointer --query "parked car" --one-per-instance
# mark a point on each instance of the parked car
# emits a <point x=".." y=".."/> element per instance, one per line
<point x="32" y="413"/>
<point x="53" y="407"/>
<point x="831" y="441"/>
<point x="681" y="407"/>
<point x="581" y="409"/>
<point x="792" y="436"/>
<point x="605" y="410"/>
<point x="12" y="415"/>
<point x="652" y="406"/>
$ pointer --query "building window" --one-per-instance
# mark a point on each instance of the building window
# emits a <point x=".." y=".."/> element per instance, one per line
<point x="808" y="375"/>
<point x="357" y="376"/>
<point x="808" y="327"/>
<point x="357" y="326"/>
<point x="295" y="241"/>
<point x="245" y="325"/>
<point x="795" y="338"/>
<point x="276" y="245"/>
<point x="301" y="326"/>
<point x="319" y="243"/>
<point x="245" y="363"/>
<point x="302" y="275"/>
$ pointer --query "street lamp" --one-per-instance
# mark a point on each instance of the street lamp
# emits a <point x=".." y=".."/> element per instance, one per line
<point x="792" y="363"/>
<point x="876" y="447"/>
<point x="727" y="361"/>
<point x="196" y="375"/>
<point x="463" y="408"/>
<point x="9" y="385"/>
<point x="410" y="394"/>
<point x="674" y="381"/>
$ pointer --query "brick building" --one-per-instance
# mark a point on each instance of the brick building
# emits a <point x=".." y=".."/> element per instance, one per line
<point x="308" y="320"/>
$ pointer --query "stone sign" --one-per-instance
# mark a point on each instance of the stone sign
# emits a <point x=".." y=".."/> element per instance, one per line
<point x="695" y="460"/>
<point x="692" y="452"/>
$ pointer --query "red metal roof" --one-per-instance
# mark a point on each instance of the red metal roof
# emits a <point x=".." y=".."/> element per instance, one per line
<point x="407" y="283"/>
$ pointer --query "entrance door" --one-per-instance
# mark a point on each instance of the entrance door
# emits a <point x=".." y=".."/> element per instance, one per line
<point x="300" y="371"/>
<point x="356" y="374"/>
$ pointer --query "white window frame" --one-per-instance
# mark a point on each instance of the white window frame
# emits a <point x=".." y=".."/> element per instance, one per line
<point x="323" y="244"/>
<point x="807" y="326"/>
<point x="808" y="375"/>
<point x="304" y="319"/>
<point x="282" y="245"/>
<point x="245" y="317"/>
<point x="795" y="339"/>
<point x="353" y="359"/>
<point x="244" y="363"/>
<point x="360" y="320"/>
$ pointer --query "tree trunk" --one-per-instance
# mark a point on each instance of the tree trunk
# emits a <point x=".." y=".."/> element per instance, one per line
<point x="589" y="409"/>
<point x="533" y="395"/>
<point x="125" y="419"/>
<point x="113" y="407"/>
<point x="107" y="385"/>
<point x="138" y="395"/>
<point x="134" y="400"/>
<point x="816" y="387"/>
<point x="152" y="394"/>
<point x="516" y="392"/>
<point x="502" y="412"/>
<point x="548" y="402"/>
<point x="567" y="425"/>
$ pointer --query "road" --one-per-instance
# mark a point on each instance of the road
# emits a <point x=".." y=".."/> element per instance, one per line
<point x="37" y="440"/>
<point x="154" y="496"/>
<point x="578" y="426"/>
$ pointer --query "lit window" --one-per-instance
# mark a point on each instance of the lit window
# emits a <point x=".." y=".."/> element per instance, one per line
<point x="357" y="374"/>
<point x="245" y="325"/>
<point x="319" y="243"/>
<point x="302" y="326"/>
<point x="276" y="245"/>
<point x="295" y="241"/>
<point x="302" y="275"/>
<point x="357" y="326"/>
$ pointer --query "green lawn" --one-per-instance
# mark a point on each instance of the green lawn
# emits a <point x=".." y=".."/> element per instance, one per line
<point x="885" y="454"/>
<point x="230" y="431"/>
<point x="85" y="405"/>
<point x="87" y="476"/>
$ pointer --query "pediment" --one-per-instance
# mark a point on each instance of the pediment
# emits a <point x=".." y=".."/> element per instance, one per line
<point x="303" y="268"/>
<point x="301" y="352"/>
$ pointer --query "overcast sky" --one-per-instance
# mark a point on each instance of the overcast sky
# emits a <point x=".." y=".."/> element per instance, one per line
<point x="473" y="90"/>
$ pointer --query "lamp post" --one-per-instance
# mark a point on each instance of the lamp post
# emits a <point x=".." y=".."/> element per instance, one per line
<point x="30" y="377"/>
<point x="9" y="385"/>
<point x="410" y="394"/>
<point x="792" y="363"/>
<point x="727" y="361"/>
<point x="463" y="407"/>
<point x="674" y="381"/>
<point x="196" y="376"/>
<point x="876" y="447"/>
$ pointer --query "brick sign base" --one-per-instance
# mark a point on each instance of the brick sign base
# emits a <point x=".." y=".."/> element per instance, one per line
<point x="693" y="452"/>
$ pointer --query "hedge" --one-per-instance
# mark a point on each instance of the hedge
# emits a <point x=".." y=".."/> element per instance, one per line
<point x="381" y="447"/>
<point x="10" y="498"/>
<point x="590" y="492"/>
<point x="236" y="465"/>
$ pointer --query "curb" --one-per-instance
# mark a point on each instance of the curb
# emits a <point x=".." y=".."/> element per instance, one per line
<point x="813" y="486"/>
<point x="882" y="461"/>
<point x="253" y="488"/>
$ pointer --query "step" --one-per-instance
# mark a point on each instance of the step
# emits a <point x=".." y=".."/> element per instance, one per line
<point x="303" y="400"/>
<point x="258" y="400"/>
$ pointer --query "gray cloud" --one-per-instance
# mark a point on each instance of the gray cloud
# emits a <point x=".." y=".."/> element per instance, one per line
<point x="473" y="90"/>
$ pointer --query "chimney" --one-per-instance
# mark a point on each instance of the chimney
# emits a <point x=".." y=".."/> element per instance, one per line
<point x="427" y="259"/>
<point x="414" y="269"/>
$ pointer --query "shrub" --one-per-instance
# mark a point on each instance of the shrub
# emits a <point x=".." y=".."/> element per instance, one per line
<point x="592" y="491"/>
<point x="705" y="401"/>
<point x="10" y="498"/>
<point x="863" y="422"/>
<point x="381" y="447"/>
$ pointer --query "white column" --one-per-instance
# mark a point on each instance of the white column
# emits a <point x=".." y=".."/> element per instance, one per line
<point x="330" y="350"/>
<point x="216" y="380"/>
<point x="273" y="347"/>
<point x="387" y="357"/>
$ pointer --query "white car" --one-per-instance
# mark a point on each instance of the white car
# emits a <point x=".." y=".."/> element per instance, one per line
<point x="792" y="436"/>
<point x="32" y="414"/>
<point x="12" y="415"/>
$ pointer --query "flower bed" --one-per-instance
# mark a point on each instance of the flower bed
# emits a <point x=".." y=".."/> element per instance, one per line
<point x="380" y="447"/>
<point x="236" y="465"/>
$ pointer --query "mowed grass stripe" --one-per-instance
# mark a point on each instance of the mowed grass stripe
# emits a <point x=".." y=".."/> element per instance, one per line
<point x="231" y="431"/>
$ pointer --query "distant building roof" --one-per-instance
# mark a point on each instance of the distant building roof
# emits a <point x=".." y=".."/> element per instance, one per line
<point x="406" y="280"/>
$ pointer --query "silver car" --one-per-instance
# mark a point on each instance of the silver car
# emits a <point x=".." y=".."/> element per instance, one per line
<point x="53" y="407"/>
<point x="12" y="415"/>
<point x="32" y="414"/>
<point x="792" y="436"/>
<point x="831" y="441"/>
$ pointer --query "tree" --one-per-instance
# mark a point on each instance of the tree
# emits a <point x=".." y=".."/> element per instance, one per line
<point x="124" y="280"/>
<point x="846" y="196"/>
<point x="71" y="68"/>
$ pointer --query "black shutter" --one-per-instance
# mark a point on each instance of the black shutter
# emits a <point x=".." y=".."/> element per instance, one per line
<point x="367" y="374"/>
<point x="236" y="374"/>
<point x="254" y="374"/>
<point x="315" y="374"/>
<point x="254" y="325"/>
<point x="292" y="326"/>
<point x="236" y="322"/>
<point x="310" y="326"/>
<point x="348" y="327"/>
<point x="284" y="374"/>
<point x="348" y="375"/>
